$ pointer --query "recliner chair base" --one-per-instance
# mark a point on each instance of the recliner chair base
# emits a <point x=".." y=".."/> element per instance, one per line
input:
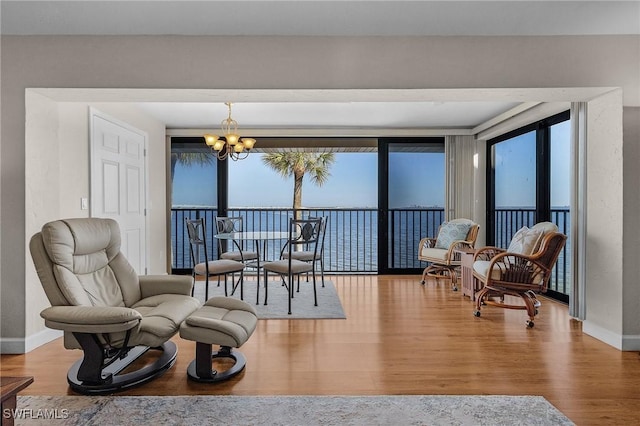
<point x="199" y="369"/>
<point x="109" y="381"/>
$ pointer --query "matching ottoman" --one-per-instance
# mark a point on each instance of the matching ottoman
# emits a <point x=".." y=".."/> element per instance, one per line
<point x="220" y="321"/>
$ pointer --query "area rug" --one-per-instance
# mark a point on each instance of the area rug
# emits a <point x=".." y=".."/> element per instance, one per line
<point x="329" y="305"/>
<point x="288" y="410"/>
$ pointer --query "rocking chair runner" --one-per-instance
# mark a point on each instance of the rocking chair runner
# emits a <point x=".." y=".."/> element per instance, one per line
<point x="104" y="307"/>
<point x="522" y="270"/>
<point x="442" y="251"/>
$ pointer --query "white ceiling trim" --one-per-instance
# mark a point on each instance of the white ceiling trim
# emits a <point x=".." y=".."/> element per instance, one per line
<point x="261" y="102"/>
<point x="330" y="132"/>
<point x="552" y="94"/>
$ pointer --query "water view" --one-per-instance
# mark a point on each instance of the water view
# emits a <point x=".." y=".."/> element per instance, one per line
<point x="349" y="198"/>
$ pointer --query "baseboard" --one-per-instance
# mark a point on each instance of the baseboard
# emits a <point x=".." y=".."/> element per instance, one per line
<point x="602" y="334"/>
<point x="631" y="342"/>
<point x="22" y="345"/>
<point x="623" y="342"/>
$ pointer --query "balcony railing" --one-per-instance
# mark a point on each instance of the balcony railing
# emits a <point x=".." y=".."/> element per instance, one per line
<point x="351" y="243"/>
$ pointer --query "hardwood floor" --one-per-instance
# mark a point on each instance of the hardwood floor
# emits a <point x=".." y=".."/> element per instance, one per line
<point x="403" y="338"/>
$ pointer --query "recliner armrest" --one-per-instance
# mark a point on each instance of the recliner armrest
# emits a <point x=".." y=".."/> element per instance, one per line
<point x="91" y="319"/>
<point x="153" y="285"/>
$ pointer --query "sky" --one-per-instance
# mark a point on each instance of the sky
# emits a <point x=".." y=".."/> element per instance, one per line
<point x="353" y="183"/>
<point x="515" y="169"/>
<point x="415" y="179"/>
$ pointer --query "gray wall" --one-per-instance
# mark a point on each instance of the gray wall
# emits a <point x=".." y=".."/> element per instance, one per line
<point x="306" y="63"/>
<point x="631" y="235"/>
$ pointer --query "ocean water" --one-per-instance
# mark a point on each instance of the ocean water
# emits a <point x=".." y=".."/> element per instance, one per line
<point x="351" y="241"/>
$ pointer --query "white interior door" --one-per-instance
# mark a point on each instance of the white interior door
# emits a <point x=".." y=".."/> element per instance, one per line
<point x="118" y="182"/>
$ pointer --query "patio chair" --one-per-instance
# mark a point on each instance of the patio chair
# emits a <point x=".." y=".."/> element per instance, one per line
<point x="522" y="270"/>
<point x="443" y="252"/>
<point x="203" y="266"/>
<point x="105" y="308"/>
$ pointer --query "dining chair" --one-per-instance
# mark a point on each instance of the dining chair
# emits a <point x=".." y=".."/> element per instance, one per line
<point x="227" y="225"/>
<point x="307" y="255"/>
<point x="303" y="233"/>
<point x="202" y="266"/>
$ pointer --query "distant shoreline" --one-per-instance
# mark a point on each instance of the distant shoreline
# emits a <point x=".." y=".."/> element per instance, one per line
<point x="349" y="207"/>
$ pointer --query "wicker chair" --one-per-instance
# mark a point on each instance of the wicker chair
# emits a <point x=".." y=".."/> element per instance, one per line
<point x="522" y="270"/>
<point x="443" y="252"/>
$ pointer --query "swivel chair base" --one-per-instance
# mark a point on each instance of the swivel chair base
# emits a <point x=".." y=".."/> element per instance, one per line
<point x="442" y="271"/>
<point x="110" y="381"/>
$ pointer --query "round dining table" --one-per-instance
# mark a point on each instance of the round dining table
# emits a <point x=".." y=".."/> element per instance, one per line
<point x="256" y="237"/>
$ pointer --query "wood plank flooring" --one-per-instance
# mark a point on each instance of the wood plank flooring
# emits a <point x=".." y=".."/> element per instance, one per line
<point x="401" y="337"/>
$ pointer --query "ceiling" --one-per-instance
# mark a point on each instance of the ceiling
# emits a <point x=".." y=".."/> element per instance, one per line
<point x="337" y="115"/>
<point x="323" y="18"/>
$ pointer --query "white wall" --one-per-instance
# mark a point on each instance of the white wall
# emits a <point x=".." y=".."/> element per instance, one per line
<point x="604" y="254"/>
<point x="43" y="189"/>
<point x="287" y="63"/>
<point x="53" y="189"/>
<point x="631" y="235"/>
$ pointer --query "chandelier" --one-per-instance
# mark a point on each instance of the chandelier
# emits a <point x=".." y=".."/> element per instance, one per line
<point x="230" y="145"/>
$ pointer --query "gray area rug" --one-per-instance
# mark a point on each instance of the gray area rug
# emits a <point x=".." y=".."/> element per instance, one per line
<point x="329" y="305"/>
<point x="289" y="410"/>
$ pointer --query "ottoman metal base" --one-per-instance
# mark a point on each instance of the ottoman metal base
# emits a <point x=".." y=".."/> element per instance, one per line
<point x="221" y="321"/>
<point x="200" y="370"/>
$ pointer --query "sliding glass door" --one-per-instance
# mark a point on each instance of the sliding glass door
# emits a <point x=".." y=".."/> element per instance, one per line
<point x="528" y="182"/>
<point x="194" y="193"/>
<point x="411" y="199"/>
<point x="376" y="215"/>
<point x="514" y="186"/>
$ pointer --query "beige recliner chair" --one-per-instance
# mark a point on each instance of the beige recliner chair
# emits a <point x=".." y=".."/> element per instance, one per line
<point x="104" y="307"/>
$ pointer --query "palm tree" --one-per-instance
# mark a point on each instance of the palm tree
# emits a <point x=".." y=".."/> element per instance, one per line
<point x="297" y="164"/>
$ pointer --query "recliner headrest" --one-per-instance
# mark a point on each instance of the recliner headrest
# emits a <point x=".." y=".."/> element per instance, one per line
<point x="82" y="245"/>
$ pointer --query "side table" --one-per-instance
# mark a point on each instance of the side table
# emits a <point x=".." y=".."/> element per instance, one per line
<point x="9" y="388"/>
<point x="466" y="273"/>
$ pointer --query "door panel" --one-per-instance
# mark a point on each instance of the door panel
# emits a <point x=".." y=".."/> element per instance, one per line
<point x="117" y="182"/>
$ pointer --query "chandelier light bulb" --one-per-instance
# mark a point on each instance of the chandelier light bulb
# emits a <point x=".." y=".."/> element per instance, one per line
<point x="231" y="145"/>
